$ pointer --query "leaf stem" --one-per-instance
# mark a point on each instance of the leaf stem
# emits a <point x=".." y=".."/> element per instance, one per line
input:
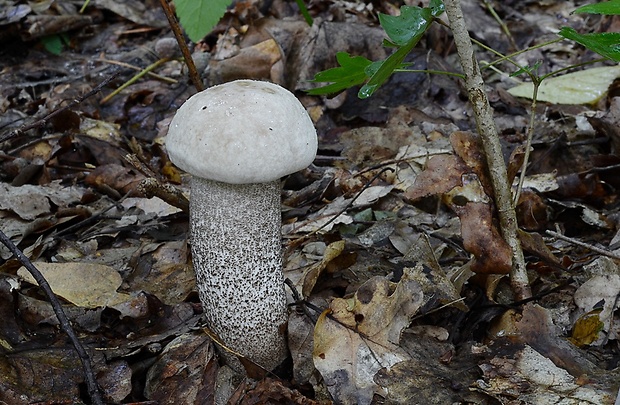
<point x="432" y="72"/>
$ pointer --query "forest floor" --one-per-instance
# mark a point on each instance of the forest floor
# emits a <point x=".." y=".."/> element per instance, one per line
<point x="392" y="228"/>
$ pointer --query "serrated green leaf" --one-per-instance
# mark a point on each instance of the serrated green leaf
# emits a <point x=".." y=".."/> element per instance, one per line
<point x="411" y="22"/>
<point x="198" y="17"/>
<point x="396" y="60"/>
<point x="404" y="32"/>
<point x="351" y="72"/>
<point x="606" y="7"/>
<point x="606" y="44"/>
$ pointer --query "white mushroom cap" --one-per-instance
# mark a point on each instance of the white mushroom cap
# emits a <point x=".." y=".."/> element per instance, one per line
<point x="242" y="132"/>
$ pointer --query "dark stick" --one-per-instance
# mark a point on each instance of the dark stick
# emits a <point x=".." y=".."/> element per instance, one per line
<point x="40" y="122"/>
<point x="178" y="34"/>
<point x="91" y="382"/>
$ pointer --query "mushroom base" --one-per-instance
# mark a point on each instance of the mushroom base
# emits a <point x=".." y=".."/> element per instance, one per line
<point x="235" y="237"/>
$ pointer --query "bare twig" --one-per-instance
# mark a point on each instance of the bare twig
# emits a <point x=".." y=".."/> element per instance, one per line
<point x="178" y="34"/>
<point x="42" y="121"/>
<point x="575" y="242"/>
<point x="130" y="66"/>
<point x="492" y="148"/>
<point x="65" y="325"/>
<point x="134" y="79"/>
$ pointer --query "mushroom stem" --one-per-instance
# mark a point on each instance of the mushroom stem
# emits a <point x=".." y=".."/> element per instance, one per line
<point x="236" y="248"/>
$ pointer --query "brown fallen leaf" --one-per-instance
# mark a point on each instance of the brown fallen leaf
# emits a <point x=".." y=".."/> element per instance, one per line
<point x="468" y="147"/>
<point x="256" y="62"/>
<point x="115" y="179"/>
<point x="184" y="372"/>
<point x="358" y="336"/>
<point x="311" y="276"/>
<point x="442" y="174"/>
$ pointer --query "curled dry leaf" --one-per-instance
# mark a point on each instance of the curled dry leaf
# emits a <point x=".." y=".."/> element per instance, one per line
<point x="358" y="336"/>
<point x="482" y="239"/>
<point x="468" y="147"/>
<point x="311" y="276"/>
<point x="112" y="177"/>
<point x="601" y="288"/>
<point x="442" y="174"/>
<point x="480" y="234"/>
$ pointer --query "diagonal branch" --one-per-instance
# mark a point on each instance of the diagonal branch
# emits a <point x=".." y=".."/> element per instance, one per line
<point x="65" y="325"/>
<point x="492" y="148"/>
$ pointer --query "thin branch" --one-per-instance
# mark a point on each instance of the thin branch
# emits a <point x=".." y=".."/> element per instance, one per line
<point x="42" y="121"/>
<point x="130" y="66"/>
<point x="178" y="34"/>
<point x="594" y="249"/>
<point x="134" y="79"/>
<point x="501" y="23"/>
<point x="65" y="325"/>
<point x="492" y="148"/>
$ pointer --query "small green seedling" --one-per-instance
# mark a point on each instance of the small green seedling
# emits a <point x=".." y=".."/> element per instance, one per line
<point x="606" y="44"/>
<point x="404" y="33"/>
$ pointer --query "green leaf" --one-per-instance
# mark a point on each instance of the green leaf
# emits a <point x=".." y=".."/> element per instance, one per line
<point x="350" y="73"/>
<point x="418" y="20"/>
<point x="437" y="8"/>
<point x="606" y="7"/>
<point x="402" y="28"/>
<point x="606" y="44"/>
<point x="52" y="43"/>
<point x="304" y="12"/>
<point x="404" y="32"/>
<point x="527" y="69"/>
<point x="198" y="17"/>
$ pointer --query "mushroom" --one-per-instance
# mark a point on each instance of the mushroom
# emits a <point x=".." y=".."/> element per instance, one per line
<point x="237" y="140"/>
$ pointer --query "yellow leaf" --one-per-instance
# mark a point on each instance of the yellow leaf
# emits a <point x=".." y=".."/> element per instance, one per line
<point x="586" y="329"/>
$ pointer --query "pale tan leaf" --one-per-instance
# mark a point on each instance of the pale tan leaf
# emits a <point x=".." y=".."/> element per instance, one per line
<point x="88" y="285"/>
<point x="583" y="87"/>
